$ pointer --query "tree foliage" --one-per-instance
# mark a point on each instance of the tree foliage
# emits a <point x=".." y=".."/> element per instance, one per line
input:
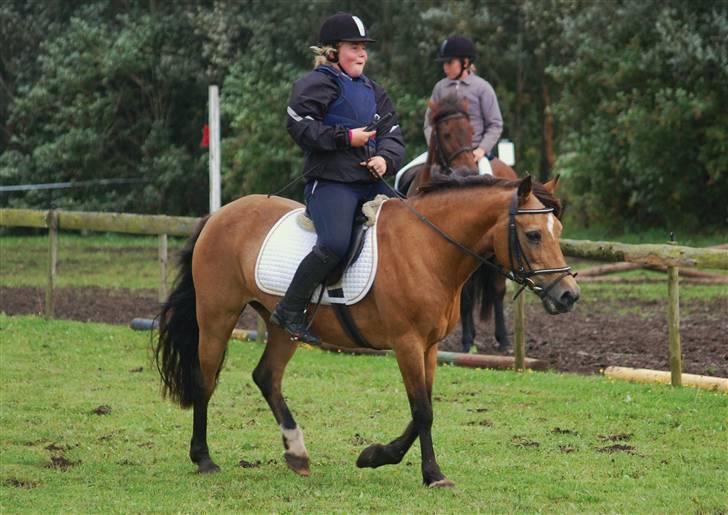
<point x="626" y="99"/>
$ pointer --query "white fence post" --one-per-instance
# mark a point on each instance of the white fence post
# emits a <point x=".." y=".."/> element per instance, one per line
<point x="214" y="124"/>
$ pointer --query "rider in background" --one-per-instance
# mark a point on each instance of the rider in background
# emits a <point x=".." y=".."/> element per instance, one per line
<point x="457" y="55"/>
<point x="328" y="111"/>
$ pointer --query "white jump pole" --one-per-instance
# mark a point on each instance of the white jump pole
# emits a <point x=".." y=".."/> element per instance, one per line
<point x="214" y="124"/>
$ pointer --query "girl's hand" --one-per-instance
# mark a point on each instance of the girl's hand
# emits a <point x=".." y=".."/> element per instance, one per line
<point x="377" y="165"/>
<point x="478" y="154"/>
<point x="359" y="137"/>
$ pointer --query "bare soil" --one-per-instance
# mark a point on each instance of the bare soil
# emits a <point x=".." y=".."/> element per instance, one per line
<point x="591" y="338"/>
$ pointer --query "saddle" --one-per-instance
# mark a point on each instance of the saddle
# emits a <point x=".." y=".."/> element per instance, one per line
<point x="293" y="237"/>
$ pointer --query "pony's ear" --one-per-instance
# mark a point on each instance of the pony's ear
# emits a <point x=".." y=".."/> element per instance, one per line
<point x="552" y="184"/>
<point x="524" y="189"/>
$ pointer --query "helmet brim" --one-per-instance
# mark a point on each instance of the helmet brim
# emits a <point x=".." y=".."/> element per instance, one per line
<point x="351" y="40"/>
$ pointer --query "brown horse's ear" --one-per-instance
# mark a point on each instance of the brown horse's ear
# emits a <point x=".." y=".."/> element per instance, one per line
<point x="551" y="185"/>
<point x="524" y="189"/>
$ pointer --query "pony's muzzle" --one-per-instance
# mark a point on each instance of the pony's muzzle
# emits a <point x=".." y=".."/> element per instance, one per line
<point x="561" y="300"/>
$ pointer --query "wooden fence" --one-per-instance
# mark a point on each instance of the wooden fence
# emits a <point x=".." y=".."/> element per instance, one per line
<point x="673" y="257"/>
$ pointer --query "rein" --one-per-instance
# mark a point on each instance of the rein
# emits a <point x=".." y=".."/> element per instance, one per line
<point x="443" y="161"/>
<point x="519" y="273"/>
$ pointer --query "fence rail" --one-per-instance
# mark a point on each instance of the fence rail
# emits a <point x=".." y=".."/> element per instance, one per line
<point x="671" y="256"/>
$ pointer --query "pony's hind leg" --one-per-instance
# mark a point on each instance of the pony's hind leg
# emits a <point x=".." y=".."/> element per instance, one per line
<point x="214" y="336"/>
<point x="501" y="332"/>
<point x="268" y="375"/>
<point x="467" y="320"/>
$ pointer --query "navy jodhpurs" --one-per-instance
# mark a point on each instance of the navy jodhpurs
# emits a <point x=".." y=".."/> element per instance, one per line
<point x="333" y="206"/>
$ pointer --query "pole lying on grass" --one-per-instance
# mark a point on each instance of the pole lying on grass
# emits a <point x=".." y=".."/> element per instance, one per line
<point x="459" y="359"/>
<point x="644" y="375"/>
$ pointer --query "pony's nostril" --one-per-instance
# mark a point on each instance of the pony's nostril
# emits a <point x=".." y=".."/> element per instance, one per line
<point x="567" y="299"/>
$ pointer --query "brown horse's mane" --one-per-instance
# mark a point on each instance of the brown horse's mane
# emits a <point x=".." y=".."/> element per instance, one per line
<point x="447" y="106"/>
<point x="441" y="182"/>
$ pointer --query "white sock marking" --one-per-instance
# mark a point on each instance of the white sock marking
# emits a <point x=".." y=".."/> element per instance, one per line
<point x="294" y="439"/>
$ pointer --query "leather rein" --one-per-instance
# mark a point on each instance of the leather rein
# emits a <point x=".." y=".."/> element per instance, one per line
<point x="521" y="271"/>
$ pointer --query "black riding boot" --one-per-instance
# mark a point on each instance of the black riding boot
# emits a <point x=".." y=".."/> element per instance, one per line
<point x="290" y="313"/>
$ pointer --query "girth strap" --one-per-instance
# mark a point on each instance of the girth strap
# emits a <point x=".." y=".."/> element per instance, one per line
<point x="347" y="322"/>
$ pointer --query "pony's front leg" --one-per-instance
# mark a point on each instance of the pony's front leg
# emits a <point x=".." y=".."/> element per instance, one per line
<point x="377" y="454"/>
<point x="268" y="375"/>
<point x="418" y="372"/>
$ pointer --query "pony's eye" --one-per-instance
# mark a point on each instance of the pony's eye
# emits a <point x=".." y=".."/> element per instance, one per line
<point x="534" y="236"/>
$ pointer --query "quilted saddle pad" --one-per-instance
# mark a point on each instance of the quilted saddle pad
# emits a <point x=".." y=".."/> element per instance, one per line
<point x="287" y="243"/>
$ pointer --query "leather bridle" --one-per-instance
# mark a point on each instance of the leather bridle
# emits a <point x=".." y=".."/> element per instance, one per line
<point x="444" y="161"/>
<point x="521" y="269"/>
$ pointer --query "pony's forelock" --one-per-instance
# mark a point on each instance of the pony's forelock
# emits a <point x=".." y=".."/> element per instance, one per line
<point x="447" y="106"/>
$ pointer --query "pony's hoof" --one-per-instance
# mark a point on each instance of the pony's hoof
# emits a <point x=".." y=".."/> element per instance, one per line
<point x="442" y="483"/>
<point x="298" y="464"/>
<point x="367" y="457"/>
<point x="207" y="467"/>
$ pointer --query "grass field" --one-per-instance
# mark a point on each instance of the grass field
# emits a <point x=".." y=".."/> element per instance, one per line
<point x="528" y="442"/>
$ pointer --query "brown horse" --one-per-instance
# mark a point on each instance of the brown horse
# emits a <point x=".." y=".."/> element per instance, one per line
<point x="449" y="148"/>
<point x="413" y="303"/>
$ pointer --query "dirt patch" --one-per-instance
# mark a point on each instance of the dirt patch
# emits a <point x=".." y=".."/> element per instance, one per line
<point x="104" y="409"/>
<point x="21" y="483"/>
<point x="88" y="304"/>
<point x="617" y="332"/>
<point x="61" y="463"/>
<point x="524" y="443"/>
<point x="617" y="447"/>
<point x="619" y="437"/>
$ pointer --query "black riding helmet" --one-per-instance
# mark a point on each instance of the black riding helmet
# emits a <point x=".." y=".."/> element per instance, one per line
<point x="343" y="27"/>
<point x="456" y="47"/>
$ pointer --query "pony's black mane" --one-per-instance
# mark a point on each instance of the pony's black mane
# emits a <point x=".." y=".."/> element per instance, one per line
<point x="447" y="106"/>
<point x="462" y="180"/>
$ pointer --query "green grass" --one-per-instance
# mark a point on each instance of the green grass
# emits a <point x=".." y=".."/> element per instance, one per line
<point x="495" y="434"/>
<point x="105" y="260"/>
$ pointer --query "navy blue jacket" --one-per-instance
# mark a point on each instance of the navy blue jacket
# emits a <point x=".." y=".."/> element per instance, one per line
<point x="328" y="152"/>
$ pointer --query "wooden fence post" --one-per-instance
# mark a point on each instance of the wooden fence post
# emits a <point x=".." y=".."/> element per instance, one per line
<point x="162" y="267"/>
<point x="673" y="323"/>
<point x="52" y="222"/>
<point x="519" y="334"/>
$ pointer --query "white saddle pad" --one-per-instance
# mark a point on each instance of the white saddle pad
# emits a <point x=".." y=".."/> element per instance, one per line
<point x="287" y="244"/>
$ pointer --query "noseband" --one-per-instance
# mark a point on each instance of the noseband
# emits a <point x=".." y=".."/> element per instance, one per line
<point x="521" y="270"/>
<point x="443" y="161"/>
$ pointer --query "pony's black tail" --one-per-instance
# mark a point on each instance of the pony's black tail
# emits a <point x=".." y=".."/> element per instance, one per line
<point x="176" y="350"/>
